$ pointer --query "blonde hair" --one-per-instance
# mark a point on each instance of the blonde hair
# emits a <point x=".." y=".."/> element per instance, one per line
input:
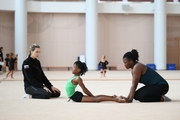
<point x="33" y="47"/>
<point x="103" y="57"/>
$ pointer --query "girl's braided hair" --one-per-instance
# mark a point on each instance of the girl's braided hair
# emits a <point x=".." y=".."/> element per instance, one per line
<point x="82" y="66"/>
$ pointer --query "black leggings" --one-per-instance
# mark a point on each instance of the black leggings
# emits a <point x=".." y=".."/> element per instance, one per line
<point x="41" y="93"/>
<point x="151" y="93"/>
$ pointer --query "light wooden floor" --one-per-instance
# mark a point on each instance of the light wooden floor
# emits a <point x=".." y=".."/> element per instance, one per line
<point x="14" y="107"/>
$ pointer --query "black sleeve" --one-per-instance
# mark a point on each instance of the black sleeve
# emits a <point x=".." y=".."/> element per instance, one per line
<point x="44" y="78"/>
<point x="2" y="56"/>
<point x="107" y="62"/>
<point x="99" y="63"/>
<point x="29" y="76"/>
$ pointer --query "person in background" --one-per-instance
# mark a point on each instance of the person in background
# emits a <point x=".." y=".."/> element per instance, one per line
<point x="15" y="63"/>
<point x="155" y="85"/>
<point x="1" y="58"/>
<point x="7" y="62"/>
<point x="103" y="66"/>
<point x="11" y="65"/>
<point x="36" y="84"/>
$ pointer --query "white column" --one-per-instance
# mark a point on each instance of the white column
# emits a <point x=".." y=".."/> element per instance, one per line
<point x="160" y="34"/>
<point x="20" y="31"/>
<point x="91" y="34"/>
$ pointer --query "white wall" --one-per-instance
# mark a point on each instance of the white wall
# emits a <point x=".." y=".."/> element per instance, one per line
<point x="79" y="7"/>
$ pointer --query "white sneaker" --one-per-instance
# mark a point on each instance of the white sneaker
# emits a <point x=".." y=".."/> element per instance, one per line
<point x="166" y="98"/>
<point x="27" y="96"/>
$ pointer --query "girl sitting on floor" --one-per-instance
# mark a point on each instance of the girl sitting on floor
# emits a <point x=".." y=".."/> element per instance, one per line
<point x="79" y="69"/>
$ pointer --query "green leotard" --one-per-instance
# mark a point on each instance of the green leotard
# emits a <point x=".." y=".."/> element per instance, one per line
<point x="70" y="88"/>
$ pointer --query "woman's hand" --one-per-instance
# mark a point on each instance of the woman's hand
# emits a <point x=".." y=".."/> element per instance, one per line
<point x="54" y="89"/>
<point x="126" y="99"/>
<point x="47" y="89"/>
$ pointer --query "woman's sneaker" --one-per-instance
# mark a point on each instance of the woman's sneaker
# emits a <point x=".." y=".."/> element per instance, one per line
<point x="166" y="98"/>
<point x="27" y="96"/>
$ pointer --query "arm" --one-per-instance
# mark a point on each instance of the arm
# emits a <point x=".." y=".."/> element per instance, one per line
<point x="46" y="82"/>
<point x="107" y="62"/>
<point x="136" y="74"/>
<point x="99" y="63"/>
<point x="81" y="84"/>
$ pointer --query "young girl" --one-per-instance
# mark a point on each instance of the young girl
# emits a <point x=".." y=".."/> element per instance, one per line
<point x="15" y="63"/>
<point x="103" y="64"/>
<point x="7" y="62"/>
<point x="1" y="59"/>
<point x="79" y="69"/>
<point x="11" y="65"/>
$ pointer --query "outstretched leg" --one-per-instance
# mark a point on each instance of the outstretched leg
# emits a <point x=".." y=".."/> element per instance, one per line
<point x="101" y="73"/>
<point x="79" y="97"/>
<point x="12" y="73"/>
<point x="104" y="71"/>
<point x="9" y="73"/>
<point x="101" y="98"/>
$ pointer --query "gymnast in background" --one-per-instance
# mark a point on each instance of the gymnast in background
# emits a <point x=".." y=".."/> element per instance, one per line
<point x="103" y="66"/>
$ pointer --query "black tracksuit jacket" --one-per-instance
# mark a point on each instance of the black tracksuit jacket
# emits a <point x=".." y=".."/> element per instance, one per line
<point x="33" y="74"/>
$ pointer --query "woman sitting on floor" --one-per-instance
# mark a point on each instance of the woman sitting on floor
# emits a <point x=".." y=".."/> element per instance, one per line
<point x="35" y="82"/>
<point x="155" y="85"/>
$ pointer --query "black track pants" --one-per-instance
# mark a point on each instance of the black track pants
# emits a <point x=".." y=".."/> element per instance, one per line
<point x="151" y="93"/>
<point x="40" y="93"/>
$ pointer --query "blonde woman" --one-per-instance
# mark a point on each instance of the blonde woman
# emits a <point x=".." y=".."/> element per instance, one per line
<point x="103" y="65"/>
<point x="36" y="84"/>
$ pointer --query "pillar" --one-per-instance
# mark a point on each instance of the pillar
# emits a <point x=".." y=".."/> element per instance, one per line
<point x="91" y="43"/>
<point x="160" y="34"/>
<point x="20" y="31"/>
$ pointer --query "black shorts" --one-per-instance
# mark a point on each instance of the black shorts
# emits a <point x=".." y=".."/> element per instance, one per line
<point x="77" y="96"/>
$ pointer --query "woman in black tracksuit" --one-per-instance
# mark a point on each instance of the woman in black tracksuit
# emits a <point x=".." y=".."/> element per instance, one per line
<point x="35" y="82"/>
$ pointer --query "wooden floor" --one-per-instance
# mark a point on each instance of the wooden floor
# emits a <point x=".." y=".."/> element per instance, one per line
<point x="14" y="107"/>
